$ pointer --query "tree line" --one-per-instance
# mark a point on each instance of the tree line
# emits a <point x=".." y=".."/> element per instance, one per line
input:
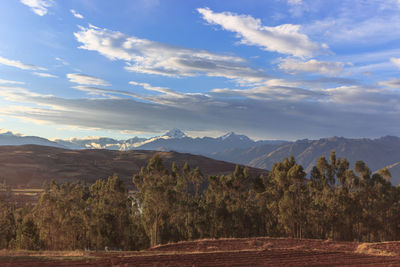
<point x="174" y="204"/>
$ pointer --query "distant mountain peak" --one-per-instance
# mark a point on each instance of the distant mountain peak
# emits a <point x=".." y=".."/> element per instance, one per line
<point x="389" y="138"/>
<point x="232" y="135"/>
<point x="227" y="135"/>
<point x="9" y="133"/>
<point x="175" y="134"/>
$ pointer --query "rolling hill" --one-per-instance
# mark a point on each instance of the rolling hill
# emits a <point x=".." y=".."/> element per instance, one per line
<point x="32" y="165"/>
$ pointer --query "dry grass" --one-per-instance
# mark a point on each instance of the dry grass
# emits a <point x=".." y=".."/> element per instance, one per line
<point x="26" y="194"/>
<point x="46" y="253"/>
<point x="365" y="248"/>
<point x="38" y="190"/>
<point x="39" y="256"/>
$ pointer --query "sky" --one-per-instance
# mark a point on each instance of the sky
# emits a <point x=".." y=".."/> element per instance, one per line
<point x="276" y="69"/>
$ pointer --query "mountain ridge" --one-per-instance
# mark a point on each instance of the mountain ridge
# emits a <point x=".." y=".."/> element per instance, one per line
<point x="235" y="148"/>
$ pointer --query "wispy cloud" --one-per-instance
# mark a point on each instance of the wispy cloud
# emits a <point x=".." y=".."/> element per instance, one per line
<point x="163" y="90"/>
<point x="294" y="2"/>
<point x="273" y="93"/>
<point x="392" y="83"/>
<point x="91" y="90"/>
<point x="323" y="67"/>
<point x="357" y="22"/>
<point x="145" y="56"/>
<point x="45" y="75"/>
<point x="10" y="82"/>
<point x="62" y="61"/>
<point x="297" y="7"/>
<point x="85" y="79"/>
<point x="76" y="14"/>
<point x="284" y="39"/>
<point x="19" y="64"/>
<point x="39" y="7"/>
<point x="395" y="61"/>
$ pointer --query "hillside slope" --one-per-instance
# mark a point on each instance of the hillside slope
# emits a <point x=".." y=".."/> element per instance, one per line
<point x="32" y="165"/>
<point x="376" y="153"/>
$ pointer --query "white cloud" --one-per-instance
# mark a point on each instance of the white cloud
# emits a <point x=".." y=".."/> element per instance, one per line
<point x="273" y="93"/>
<point x="293" y="66"/>
<point x="296" y="2"/>
<point x="168" y="97"/>
<point x="76" y="14"/>
<point x="19" y="64"/>
<point x="10" y="82"/>
<point x="395" y="60"/>
<point x="392" y="83"/>
<point x="365" y="100"/>
<point x="104" y="92"/>
<point x="285" y="38"/>
<point x="39" y="7"/>
<point x="62" y="61"/>
<point x="86" y="79"/>
<point x="163" y="90"/>
<point x="297" y="7"/>
<point x="145" y="56"/>
<point x="45" y="75"/>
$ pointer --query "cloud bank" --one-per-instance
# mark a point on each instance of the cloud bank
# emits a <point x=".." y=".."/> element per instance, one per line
<point x="270" y="110"/>
<point x="149" y="57"/>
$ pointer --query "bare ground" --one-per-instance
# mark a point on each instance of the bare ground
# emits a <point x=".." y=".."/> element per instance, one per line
<point x="224" y="252"/>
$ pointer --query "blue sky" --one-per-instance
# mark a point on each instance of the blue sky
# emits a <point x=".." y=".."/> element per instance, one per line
<point x="277" y="69"/>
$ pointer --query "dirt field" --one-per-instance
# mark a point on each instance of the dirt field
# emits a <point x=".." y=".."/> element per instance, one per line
<point x="224" y="252"/>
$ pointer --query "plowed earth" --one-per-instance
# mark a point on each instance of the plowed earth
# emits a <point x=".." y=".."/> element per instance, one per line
<point x="234" y="252"/>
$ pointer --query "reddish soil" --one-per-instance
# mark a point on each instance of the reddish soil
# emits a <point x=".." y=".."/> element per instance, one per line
<point x="257" y="243"/>
<point x="237" y="252"/>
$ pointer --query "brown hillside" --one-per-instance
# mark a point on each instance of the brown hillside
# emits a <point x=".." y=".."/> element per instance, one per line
<point x="32" y="165"/>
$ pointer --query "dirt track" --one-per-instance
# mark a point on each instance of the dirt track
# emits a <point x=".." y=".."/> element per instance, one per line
<point x="239" y="252"/>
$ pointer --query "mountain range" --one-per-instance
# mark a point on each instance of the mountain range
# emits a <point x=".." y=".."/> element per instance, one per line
<point x="175" y="140"/>
<point x="235" y="148"/>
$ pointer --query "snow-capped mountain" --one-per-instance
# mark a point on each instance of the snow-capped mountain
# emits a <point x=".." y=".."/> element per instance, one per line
<point x="142" y="144"/>
<point x="231" y="147"/>
<point x="173" y="140"/>
<point x="177" y="140"/>
<point x="175" y="133"/>
<point x="91" y="143"/>
<point x="232" y="136"/>
<point x="12" y="139"/>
